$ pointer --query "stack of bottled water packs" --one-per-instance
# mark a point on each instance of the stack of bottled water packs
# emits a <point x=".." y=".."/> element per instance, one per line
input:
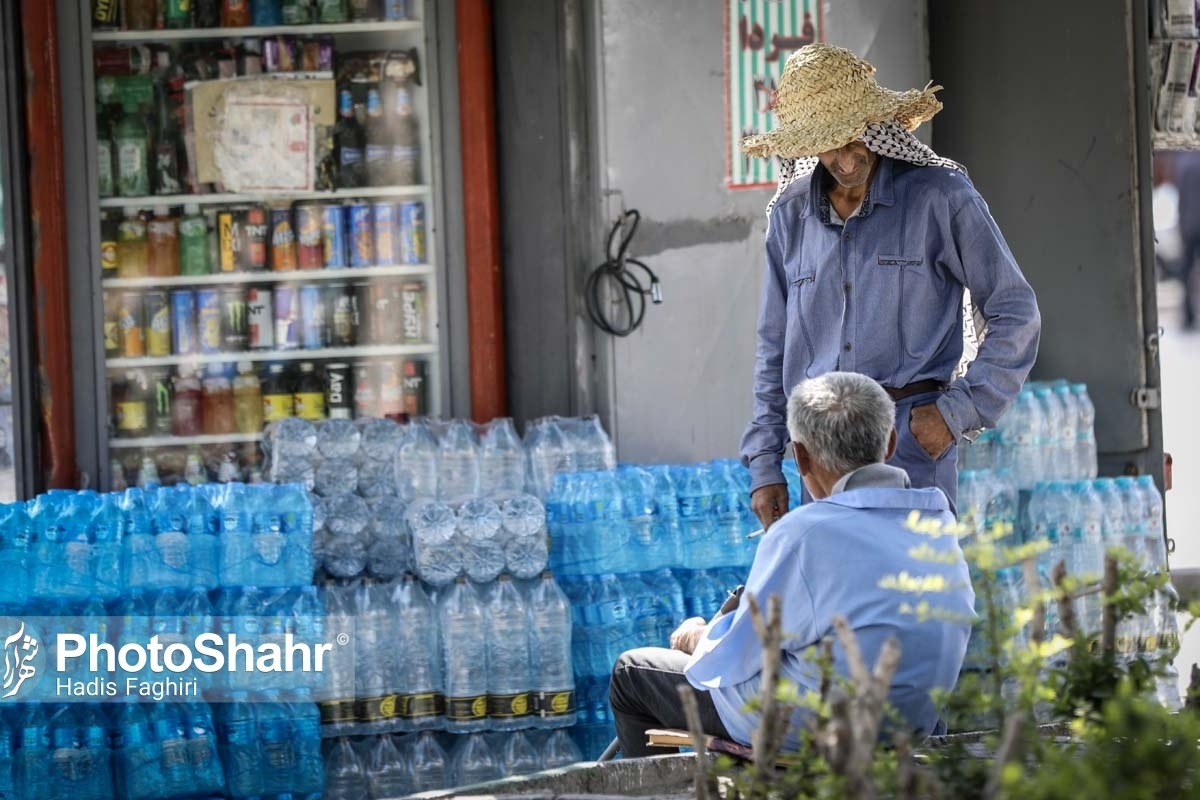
<point x="431" y="552"/>
<point x="171" y="563"/>
<point x="1035" y="475"/>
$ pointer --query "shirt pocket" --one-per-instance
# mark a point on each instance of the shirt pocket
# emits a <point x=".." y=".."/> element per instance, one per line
<point x="917" y="304"/>
<point x="801" y="293"/>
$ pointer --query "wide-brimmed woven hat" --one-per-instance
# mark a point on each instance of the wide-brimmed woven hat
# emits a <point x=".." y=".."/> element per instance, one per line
<point x="827" y="96"/>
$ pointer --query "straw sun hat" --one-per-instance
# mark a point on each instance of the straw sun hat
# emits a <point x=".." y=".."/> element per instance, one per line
<point x="826" y="98"/>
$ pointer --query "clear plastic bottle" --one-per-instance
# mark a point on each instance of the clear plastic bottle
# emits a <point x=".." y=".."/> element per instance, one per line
<point x="345" y="777"/>
<point x="139" y="757"/>
<point x="1085" y="432"/>
<point x="458" y="463"/>
<point x="694" y="495"/>
<point x="1152" y="505"/>
<point x="204" y="761"/>
<point x="1055" y="447"/>
<point x="637" y="495"/>
<point x="501" y="459"/>
<point x="594" y="451"/>
<point x="374" y="658"/>
<point x="548" y="452"/>
<point x="518" y="756"/>
<point x="479" y="522"/>
<point x="473" y="761"/>
<point x="338" y="438"/>
<point x="336" y="476"/>
<point x="437" y="557"/>
<point x="704" y="595"/>
<point x="247" y="400"/>
<point x="346" y="549"/>
<point x="464" y="635"/>
<point x="613" y="618"/>
<point x="550" y="654"/>
<point x="429" y="767"/>
<point x="390" y="552"/>
<point x="560" y="751"/>
<point x="388" y="773"/>
<point x="308" y="778"/>
<point x="666" y="517"/>
<point x="417" y="677"/>
<point x="509" y="677"/>
<point x="163" y="239"/>
<point x="416" y="462"/>
<point x="526" y="549"/>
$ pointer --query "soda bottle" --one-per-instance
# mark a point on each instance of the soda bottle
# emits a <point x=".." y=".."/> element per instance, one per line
<point x="378" y="141"/>
<point x="178" y="13"/>
<point x="167" y="144"/>
<point x="351" y="143"/>
<point x="104" y="154"/>
<point x="186" y="405"/>
<point x="217" y="401"/>
<point x="133" y="153"/>
<point x="193" y="242"/>
<point x="132" y="409"/>
<point x="133" y="247"/>
<point x="235" y="14"/>
<point x="309" y="396"/>
<point x="208" y="13"/>
<point x="406" y="153"/>
<point x="247" y="400"/>
<point x="265" y="12"/>
<point x="364" y="10"/>
<point x="296" y="12"/>
<point x="140" y="15"/>
<point x="332" y="11"/>
<point x="163" y="238"/>
<point x="278" y="399"/>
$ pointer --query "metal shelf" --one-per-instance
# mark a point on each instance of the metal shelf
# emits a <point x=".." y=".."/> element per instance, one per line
<point x="271" y="276"/>
<point x="183" y="441"/>
<point x="200" y="34"/>
<point x="324" y="354"/>
<point x="364" y="192"/>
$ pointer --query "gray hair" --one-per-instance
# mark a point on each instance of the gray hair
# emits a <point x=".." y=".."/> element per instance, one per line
<point x="843" y="419"/>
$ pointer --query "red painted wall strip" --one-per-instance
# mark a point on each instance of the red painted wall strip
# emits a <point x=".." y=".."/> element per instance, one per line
<point x="481" y="210"/>
<point x="47" y="207"/>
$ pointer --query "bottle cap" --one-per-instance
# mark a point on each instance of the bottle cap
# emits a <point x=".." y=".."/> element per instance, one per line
<point x="244" y="366"/>
<point x="191" y="208"/>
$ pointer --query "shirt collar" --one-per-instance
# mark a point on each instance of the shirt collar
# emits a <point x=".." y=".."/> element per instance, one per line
<point x="872" y="476"/>
<point x="880" y="192"/>
<point x="879" y="486"/>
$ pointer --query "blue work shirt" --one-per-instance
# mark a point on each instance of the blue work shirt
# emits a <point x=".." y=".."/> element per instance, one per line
<point x="883" y="296"/>
<point x="828" y="558"/>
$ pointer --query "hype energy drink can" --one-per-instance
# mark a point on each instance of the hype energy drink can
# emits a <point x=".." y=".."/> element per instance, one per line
<point x="183" y="322"/>
<point x="283" y="240"/>
<point x="383" y="216"/>
<point x="361" y="235"/>
<point x="310" y="248"/>
<point x="260" y="323"/>
<point x="411" y="244"/>
<point x="208" y="320"/>
<point x="234" y="322"/>
<point x="412" y="311"/>
<point x="158" y="323"/>
<point x="286" y="300"/>
<point x="338" y="401"/>
<point x="314" y="329"/>
<point x="333" y="235"/>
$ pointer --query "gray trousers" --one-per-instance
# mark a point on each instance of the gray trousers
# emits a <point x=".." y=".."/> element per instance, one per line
<point x="643" y="694"/>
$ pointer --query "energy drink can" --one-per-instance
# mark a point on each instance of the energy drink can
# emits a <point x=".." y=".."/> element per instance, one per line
<point x="338" y="402"/>
<point x="411" y="243"/>
<point x="234" y="326"/>
<point x="208" y="320"/>
<point x="183" y="322"/>
<point x="287" y="317"/>
<point x="385" y="319"/>
<point x="131" y="319"/>
<point x="161" y="391"/>
<point x="412" y="311"/>
<point x="362" y="237"/>
<point x="343" y="314"/>
<point x="416" y="388"/>
<point x="158" y="323"/>
<point x="366" y="391"/>
<point x="383" y="215"/>
<point x="229" y="241"/>
<point x="254" y="239"/>
<point x="310" y="248"/>
<point x="391" y="389"/>
<point x="312" y="317"/>
<point x="333" y="235"/>
<point x="283" y="240"/>
<point x="395" y="9"/>
<point x="260" y="323"/>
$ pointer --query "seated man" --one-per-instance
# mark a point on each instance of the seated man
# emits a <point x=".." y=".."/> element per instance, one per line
<point x="823" y="559"/>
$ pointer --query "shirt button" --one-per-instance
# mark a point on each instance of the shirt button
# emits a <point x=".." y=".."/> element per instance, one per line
<point x="848" y="286"/>
<point x="847" y="347"/>
<point x="846" y="236"/>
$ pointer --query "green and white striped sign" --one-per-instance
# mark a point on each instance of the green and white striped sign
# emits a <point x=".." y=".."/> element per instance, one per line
<point x="759" y="37"/>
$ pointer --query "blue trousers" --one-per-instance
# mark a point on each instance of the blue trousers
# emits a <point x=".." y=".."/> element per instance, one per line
<point x="924" y="470"/>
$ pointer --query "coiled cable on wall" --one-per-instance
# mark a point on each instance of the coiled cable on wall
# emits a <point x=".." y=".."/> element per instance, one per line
<point x="623" y="286"/>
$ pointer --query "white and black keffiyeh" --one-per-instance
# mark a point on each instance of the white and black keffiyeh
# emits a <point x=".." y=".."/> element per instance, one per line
<point x="891" y="139"/>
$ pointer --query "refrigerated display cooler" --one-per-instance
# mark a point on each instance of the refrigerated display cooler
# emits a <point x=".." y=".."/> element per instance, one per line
<point x="265" y="202"/>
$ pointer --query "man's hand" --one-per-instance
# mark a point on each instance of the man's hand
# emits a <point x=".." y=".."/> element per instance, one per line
<point x="930" y="430"/>
<point x="769" y="503"/>
<point x="688" y="635"/>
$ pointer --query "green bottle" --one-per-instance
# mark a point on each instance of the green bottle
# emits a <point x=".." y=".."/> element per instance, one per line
<point x="178" y="13"/>
<point x="104" y="156"/>
<point x="193" y="242"/>
<point x="133" y="154"/>
<point x="333" y="11"/>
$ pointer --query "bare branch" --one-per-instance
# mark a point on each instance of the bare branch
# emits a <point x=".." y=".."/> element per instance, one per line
<point x="691" y="712"/>
<point x="1108" y="638"/>
<point x="769" y="738"/>
<point x="1033" y="588"/>
<point x="1066" y="605"/>
<point x="1009" y="751"/>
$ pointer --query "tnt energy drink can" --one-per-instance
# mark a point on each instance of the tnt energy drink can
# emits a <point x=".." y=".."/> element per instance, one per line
<point x="254" y="239"/>
<point x="333" y="235"/>
<point x="416" y="388"/>
<point x="343" y="315"/>
<point x="411" y="244"/>
<point x="209" y="320"/>
<point x="287" y="317"/>
<point x="283" y="240"/>
<point x="260" y="323"/>
<point x="315" y="331"/>
<point x="183" y="322"/>
<point x="383" y="215"/>
<point x="338" y="402"/>
<point x="131" y="316"/>
<point x="366" y="391"/>
<point x="158" y="324"/>
<point x="361" y="235"/>
<point x="234" y="322"/>
<point x="310" y="248"/>
<point x="412" y="311"/>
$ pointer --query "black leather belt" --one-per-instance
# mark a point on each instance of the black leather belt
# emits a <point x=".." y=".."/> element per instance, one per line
<point x="917" y="387"/>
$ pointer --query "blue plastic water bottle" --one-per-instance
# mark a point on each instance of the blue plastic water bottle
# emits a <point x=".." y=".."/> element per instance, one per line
<point x="138" y="755"/>
<point x="15" y="557"/>
<point x="241" y="755"/>
<point x="137" y="544"/>
<point x="204" y="760"/>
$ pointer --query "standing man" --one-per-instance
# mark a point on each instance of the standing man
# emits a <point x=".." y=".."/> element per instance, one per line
<point x="871" y="241"/>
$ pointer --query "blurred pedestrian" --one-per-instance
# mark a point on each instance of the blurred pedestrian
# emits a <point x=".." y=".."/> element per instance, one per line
<point x="1187" y="184"/>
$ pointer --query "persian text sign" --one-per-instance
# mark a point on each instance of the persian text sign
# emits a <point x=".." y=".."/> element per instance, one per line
<point x="759" y="37"/>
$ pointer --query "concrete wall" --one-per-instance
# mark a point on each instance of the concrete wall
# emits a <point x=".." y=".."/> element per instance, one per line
<point x="678" y="389"/>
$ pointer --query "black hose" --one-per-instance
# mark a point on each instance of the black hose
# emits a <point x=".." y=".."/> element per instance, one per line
<point x="615" y="277"/>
